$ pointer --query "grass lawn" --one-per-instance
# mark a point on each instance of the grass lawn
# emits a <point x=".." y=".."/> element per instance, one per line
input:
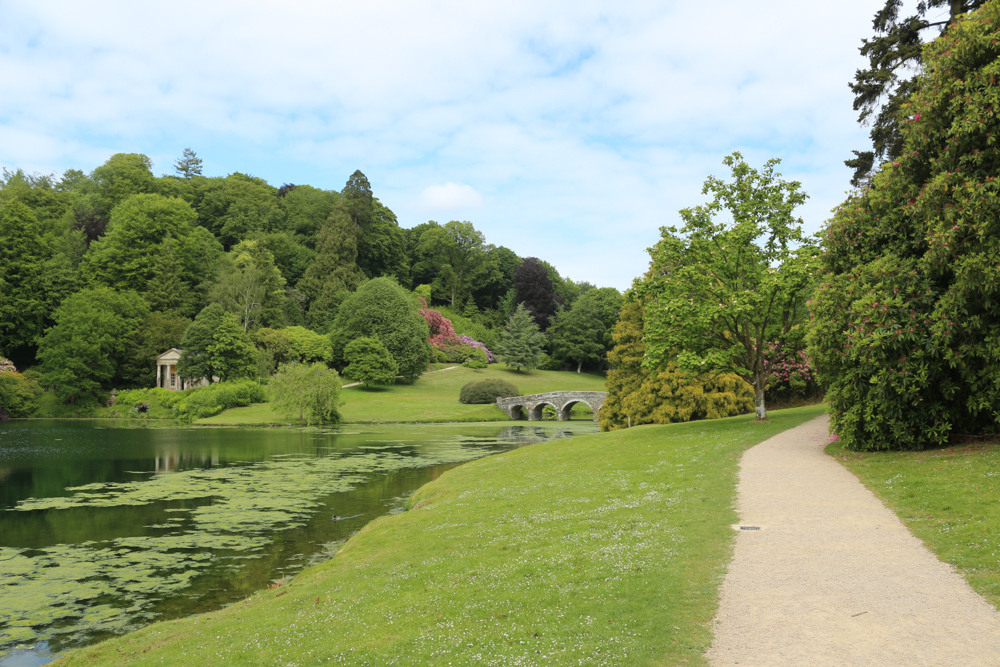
<point x="949" y="498"/>
<point x="601" y="549"/>
<point x="432" y="398"/>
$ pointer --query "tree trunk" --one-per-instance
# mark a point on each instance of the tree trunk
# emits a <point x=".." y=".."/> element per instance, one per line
<point x="579" y="365"/>
<point x="758" y="391"/>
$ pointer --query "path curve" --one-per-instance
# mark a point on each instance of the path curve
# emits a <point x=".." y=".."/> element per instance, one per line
<point x="833" y="577"/>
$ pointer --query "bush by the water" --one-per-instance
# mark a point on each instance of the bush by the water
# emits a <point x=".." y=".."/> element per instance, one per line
<point x="18" y="393"/>
<point x="487" y="391"/>
<point x="189" y="404"/>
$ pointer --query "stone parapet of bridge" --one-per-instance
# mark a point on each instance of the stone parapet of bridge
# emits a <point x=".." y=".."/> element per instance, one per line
<point x="531" y="406"/>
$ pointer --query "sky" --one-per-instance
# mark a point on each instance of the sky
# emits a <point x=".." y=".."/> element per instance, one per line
<point x="569" y="130"/>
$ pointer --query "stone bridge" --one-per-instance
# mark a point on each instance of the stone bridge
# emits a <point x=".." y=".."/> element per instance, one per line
<point x="562" y="401"/>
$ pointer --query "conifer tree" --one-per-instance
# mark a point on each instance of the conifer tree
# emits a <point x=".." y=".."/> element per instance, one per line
<point x="22" y="299"/>
<point x="335" y="270"/>
<point x="166" y="291"/>
<point x="189" y="165"/>
<point x="521" y="343"/>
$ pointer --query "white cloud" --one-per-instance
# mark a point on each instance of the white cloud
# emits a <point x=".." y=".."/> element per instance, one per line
<point x="449" y="197"/>
<point x="583" y="124"/>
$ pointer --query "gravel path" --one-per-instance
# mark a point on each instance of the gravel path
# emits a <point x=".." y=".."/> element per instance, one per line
<point x="833" y="577"/>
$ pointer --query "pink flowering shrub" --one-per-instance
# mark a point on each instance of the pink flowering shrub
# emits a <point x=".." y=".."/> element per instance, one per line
<point x="448" y="346"/>
<point x="7" y="366"/>
<point x="790" y="373"/>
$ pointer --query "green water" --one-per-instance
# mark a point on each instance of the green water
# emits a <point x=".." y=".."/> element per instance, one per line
<point x="106" y="526"/>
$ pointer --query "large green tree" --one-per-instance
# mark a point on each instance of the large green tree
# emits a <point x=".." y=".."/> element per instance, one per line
<point x="384" y="310"/>
<point x="250" y="286"/>
<point x="458" y="253"/>
<point x="717" y="290"/>
<point x="907" y="320"/>
<point x="335" y="272"/>
<point x="121" y="177"/>
<point x="369" y="362"/>
<point x="577" y="334"/>
<point x="88" y="349"/>
<point x="215" y="347"/>
<point x="534" y="289"/>
<point x="23" y="307"/>
<point x="189" y="165"/>
<point x="124" y="258"/>
<point x="639" y="395"/>
<point x="895" y="59"/>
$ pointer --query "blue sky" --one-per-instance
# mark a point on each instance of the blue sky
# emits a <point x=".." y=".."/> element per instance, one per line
<point x="570" y="131"/>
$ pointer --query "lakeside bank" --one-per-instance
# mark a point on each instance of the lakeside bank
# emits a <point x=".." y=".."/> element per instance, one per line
<point x="605" y="549"/>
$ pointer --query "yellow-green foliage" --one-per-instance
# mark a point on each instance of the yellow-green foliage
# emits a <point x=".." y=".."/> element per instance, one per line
<point x="638" y="396"/>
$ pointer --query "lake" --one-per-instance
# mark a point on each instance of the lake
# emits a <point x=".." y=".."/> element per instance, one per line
<point x="106" y="526"/>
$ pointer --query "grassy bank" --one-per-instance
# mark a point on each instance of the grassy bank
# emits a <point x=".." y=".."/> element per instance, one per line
<point x="602" y="549"/>
<point x="432" y="398"/>
<point x="949" y="498"/>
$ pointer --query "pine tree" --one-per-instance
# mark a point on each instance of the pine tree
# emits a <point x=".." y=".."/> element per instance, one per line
<point x="189" y="165"/>
<point x="521" y="343"/>
<point x="22" y="300"/>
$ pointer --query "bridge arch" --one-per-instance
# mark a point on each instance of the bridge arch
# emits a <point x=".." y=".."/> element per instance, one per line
<point x="532" y="405"/>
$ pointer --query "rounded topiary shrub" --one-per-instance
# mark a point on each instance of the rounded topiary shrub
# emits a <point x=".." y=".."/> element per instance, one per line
<point x="487" y="391"/>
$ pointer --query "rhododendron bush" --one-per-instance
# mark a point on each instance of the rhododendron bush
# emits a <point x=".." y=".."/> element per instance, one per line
<point x="906" y="325"/>
<point x="448" y="346"/>
<point x="790" y="374"/>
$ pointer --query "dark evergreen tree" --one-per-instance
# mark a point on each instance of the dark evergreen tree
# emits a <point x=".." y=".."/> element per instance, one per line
<point x="534" y="289"/>
<point x="166" y="291"/>
<point x="895" y="57"/>
<point x="360" y="202"/>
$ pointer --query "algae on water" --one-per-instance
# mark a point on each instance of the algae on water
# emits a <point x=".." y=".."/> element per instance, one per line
<point x="67" y="592"/>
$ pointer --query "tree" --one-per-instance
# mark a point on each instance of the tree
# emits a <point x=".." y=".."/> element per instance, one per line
<point x="638" y="395"/>
<point x="250" y="286"/>
<point x="577" y="334"/>
<point x="359" y="199"/>
<point x="881" y="90"/>
<point x="458" y="252"/>
<point x="906" y="323"/>
<point x="189" y="165"/>
<point x="237" y="206"/>
<point x="334" y="272"/>
<point x="23" y="308"/>
<point x="498" y="278"/>
<point x="310" y="392"/>
<point x="216" y="347"/>
<point x="521" y="343"/>
<point x="94" y="336"/>
<point x="382" y="248"/>
<point x="369" y="362"/>
<point x="166" y="290"/>
<point x="307" y="346"/>
<point x="717" y="291"/>
<point x="230" y="353"/>
<point x="306" y="209"/>
<point x="384" y="310"/>
<point x="534" y="290"/>
<point x="122" y="176"/>
<point x="123" y="258"/>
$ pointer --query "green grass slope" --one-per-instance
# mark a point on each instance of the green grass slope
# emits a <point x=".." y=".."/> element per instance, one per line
<point x="949" y="498"/>
<point x="601" y="549"/>
<point x="432" y="398"/>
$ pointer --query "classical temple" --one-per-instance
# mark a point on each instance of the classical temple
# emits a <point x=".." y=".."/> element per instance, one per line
<point x="166" y="372"/>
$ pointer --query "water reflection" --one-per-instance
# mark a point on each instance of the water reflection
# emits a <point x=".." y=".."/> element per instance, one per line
<point x="107" y="526"/>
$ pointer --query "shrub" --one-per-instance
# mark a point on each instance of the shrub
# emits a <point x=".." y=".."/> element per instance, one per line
<point x="369" y="362"/>
<point x="213" y="399"/>
<point x="308" y="393"/>
<point x="906" y="328"/>
<point x="161" y="403"/>
<point x="487" y="391"/>
<point x="18" y="394"/>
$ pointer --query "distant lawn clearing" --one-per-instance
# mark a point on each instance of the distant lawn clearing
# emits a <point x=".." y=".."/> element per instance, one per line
<point x="432" y="398"/>
<point x="949" y="498"/>
<point x="601" y="549"/>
